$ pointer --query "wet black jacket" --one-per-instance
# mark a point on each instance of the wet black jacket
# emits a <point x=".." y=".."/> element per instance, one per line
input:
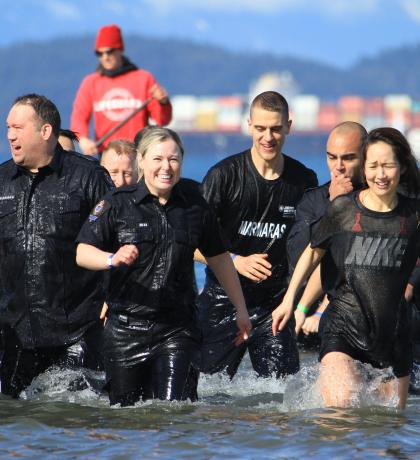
<point x="310" y="209"/>
<point x="159" y="285"/>
<point x="44" y="295"/>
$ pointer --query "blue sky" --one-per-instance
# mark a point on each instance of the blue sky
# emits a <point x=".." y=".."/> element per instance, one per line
<point x="338" y="32"/>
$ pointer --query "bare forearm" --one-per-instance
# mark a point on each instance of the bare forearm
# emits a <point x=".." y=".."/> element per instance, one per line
<point x="91" y="257"/>
<point x="225" y="272"/>
<point x="309" y="259"/>
<point x="323" y="305"/>
<point x="313" y="290"/>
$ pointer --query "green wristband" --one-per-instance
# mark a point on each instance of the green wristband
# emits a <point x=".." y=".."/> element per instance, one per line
<point x="302" y="308"/>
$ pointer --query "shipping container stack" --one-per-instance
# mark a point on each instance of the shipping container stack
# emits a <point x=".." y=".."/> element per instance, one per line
<point x="310" y="114"/>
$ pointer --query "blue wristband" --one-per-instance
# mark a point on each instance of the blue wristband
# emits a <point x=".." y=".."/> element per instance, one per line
<point x="233" y="256"/>
<point x="318" y="313"/>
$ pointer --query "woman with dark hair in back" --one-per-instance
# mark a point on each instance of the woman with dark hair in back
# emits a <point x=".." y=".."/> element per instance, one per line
<point x="371" y="240"/>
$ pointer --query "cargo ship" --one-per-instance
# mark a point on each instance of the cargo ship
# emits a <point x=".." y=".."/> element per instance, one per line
<point x="310" y="113"/>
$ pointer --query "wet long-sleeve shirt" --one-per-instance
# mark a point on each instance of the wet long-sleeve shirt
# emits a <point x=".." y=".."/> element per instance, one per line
<point x="44" y="296"/>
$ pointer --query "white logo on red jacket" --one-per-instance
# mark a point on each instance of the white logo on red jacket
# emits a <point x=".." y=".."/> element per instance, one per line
<point x="117" y="104"/>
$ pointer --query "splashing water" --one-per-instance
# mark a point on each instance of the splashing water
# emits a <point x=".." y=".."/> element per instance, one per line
<point x="294" y="393"/>
<point x="68" y="385"/>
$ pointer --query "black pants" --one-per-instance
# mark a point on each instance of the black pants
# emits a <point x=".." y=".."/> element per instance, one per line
<point x="145" y="360"/>
<point x="20" y="366"/>
<point x="92" y="346"/>
<point x="270" y="356"/>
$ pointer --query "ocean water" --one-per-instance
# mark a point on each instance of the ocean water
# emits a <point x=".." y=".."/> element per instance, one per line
<point x="61" y="415"/>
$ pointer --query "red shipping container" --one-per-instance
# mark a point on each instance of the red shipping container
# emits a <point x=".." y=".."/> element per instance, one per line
<point x="351" y="104"/>
<point x="328" y="116"/>
<point x="374" y="107"/>
<point x="415" y="119"/>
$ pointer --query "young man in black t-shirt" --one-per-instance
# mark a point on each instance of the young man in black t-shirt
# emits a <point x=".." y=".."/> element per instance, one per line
<point x="254" y="194"/>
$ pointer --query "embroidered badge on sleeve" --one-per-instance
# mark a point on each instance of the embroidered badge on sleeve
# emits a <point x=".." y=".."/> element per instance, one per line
<point x="98" y="210"/>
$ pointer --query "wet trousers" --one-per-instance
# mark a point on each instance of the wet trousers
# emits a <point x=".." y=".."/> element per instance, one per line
<point x="270" y="356"/>
<point x="19" y="366"/>
<point x="146" y="360"/>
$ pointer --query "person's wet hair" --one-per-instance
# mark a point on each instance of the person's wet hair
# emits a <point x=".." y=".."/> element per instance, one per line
<point x="73" y="136"/>
<point x="45" y="110"/>
<point x="156" y="135"/>
<point x="139" y="135"/>
<point x="410" y="175"/>
<point x="121" y="147"/>
<point x="271" y="101"/>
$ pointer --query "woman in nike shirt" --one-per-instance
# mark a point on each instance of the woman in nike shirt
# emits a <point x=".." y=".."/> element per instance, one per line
<point x="372" y="241"/>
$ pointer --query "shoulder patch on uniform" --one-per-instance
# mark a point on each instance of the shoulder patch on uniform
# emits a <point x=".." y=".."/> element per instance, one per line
<point x="98" y="210"/>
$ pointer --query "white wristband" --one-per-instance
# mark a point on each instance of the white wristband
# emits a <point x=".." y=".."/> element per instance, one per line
<point x="109" y="261"/>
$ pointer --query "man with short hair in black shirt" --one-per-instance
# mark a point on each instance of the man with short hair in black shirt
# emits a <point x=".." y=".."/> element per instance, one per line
<point x="254" y="194"/>
<point x="47" y="303"/>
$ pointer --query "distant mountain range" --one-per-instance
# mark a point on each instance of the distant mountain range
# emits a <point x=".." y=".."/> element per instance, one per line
<point x="55" y="68"/>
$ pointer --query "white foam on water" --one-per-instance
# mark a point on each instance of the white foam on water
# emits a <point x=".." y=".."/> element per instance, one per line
<point x="303" y="391"/>
<point x="58" y="384"/>
<point x="242" y="385"/>
<point x="294" y="393"/>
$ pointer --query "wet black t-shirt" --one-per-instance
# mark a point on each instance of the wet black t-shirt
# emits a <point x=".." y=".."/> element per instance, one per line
<point x="370" y="257"/>
<point x="256" y="214"/>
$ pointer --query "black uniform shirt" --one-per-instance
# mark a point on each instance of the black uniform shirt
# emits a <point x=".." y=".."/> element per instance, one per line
<point x="44" y="295"/>
<point x="310" y="209"/>
<point x="372" y="255"/>
<point x="159" y="285"/>
<point x="256" y="214"/>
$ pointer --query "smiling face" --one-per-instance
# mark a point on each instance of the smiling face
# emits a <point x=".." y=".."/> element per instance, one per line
<point x="382" y="170"/>
<point x="268" y="130"/>
<point x="161" y="166"/>
<point x="27" y="139"/>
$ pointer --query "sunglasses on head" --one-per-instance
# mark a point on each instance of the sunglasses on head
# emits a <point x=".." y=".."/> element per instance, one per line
<point x="106" y="52"/>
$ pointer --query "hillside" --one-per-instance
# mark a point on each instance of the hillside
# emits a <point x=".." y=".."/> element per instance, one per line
<point x="56" y="68"/>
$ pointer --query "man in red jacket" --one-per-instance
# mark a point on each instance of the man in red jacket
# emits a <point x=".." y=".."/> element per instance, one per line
<point x="113" y="92"/>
